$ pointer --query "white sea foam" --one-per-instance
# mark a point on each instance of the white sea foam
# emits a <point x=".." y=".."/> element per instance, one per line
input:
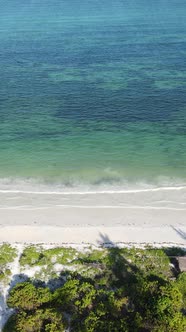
<point x="92" y="192"/>
<point x="21" y="208"/>
<point x="32" y="186"/>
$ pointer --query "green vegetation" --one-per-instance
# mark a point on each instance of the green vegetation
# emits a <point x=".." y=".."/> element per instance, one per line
<point x="31" y="256"/>
<point x="48" y="320"/>
<point x="181" y="283"/>
<point x="34" y="256"/>
<point x="87" y="264"/>
<point x="29" y="297"/>
<point x="62" y="255"/>
<point x="109" y="290"/>
<point x="7" y="255"/>
<point x="94" y="256"/>
<point x="46" y="259"/>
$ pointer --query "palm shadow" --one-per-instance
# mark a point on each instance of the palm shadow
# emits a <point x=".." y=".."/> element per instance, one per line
<point x="105" y="241"/>
<point x="180" y="232"/>
<point x="123" y="271"/>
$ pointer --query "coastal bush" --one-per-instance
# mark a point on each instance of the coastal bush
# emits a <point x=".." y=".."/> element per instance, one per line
<point x="125" y="293"/>
<point x="154" y="260"/>
<point x="48" y="320"/>
<point x="181" y="283"/>
<point x="159" y="303"/>
<point x="148" y="259"/>
<point x="25" y="296"/>
<point x="4" y="273"/>
<point x="91" y="309"/>
<point x="46" y="273"/>
<point x="61" y="255"/>
<point x="31" y="256"/>
<point x="95" y="256"/>
<point x="7" y="254"/>
<point x="34" y="312"/>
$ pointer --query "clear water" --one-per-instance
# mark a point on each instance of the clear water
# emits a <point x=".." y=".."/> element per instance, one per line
<point x="93" y="92"/>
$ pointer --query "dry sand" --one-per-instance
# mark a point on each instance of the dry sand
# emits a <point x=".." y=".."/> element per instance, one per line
<point x="136" y="216"/>
<point x="95" y="235"/>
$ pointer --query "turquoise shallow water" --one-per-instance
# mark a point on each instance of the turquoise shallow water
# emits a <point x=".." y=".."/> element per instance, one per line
<point x="93" y="93"/>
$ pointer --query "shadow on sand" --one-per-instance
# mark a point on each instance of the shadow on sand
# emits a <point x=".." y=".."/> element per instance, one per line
<point x="181" y="233"/>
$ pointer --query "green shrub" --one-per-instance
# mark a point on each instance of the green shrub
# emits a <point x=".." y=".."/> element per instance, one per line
<point x="181" y="283"/>
<point x="25" y="296"/>
<point x="7" y="254"/>
<point x="47" y="320"/>
<point x="113" y="290"/>
<point x="31" y="255"/>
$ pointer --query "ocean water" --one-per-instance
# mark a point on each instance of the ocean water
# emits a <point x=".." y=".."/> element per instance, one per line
<point x="92" y="94"/>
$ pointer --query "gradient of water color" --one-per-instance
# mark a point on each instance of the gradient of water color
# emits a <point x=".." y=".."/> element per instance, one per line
<point x="92" y="93"/>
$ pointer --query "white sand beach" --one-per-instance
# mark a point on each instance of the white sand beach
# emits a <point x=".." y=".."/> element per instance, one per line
<point x="155" y="215"/>
<point x="126" y="235"/>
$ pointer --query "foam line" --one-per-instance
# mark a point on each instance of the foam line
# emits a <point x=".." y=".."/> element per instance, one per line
<point x="130" y="191"/>
<point x="168" y="201"/>
<point x="121" y="207"/>
<point x="91" y="207"/>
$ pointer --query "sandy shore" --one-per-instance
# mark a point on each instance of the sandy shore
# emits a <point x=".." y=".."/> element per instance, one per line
<point x="136" y="216"/>
<point x="94" y="235"/>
